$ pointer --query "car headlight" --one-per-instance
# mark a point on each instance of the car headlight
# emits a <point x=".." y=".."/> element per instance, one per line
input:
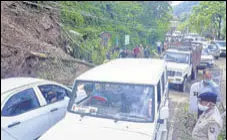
<point x="178" y="73"/>
<point x="211" y="61"/>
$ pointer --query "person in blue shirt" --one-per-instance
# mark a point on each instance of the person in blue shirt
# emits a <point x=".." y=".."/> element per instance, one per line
<point x="206" y="85"/>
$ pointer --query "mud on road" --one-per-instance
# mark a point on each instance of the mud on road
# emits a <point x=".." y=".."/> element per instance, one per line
<point x="181" y="123"/>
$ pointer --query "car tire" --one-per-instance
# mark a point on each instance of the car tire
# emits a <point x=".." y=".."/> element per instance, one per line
<point x="217" y="57"/>
<point x="183" y="85"/>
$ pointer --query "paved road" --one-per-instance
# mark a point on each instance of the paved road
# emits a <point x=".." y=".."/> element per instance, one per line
<point x="179" y="99"/>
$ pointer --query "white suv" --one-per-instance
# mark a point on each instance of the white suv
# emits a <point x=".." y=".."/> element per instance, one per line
<point x="179" y="67"/>
<point x="125" y="99"/>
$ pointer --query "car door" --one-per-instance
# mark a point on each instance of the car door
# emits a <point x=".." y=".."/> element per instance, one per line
<point x="22" y="117"/>
<point x="57" y="103"/>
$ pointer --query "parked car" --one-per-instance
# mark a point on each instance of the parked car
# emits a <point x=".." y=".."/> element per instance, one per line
<point x="182" y="64"/>
<point x="213" y="50"/>
<point x="207" y="60"/>
<point x="221" y="44"/>
<point x="125" y="99"/>
<point x="30" y="106"/>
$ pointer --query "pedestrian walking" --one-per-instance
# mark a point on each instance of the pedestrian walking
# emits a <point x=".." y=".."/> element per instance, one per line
<point x="210" y="123"/>
<point x="200" y="87"/>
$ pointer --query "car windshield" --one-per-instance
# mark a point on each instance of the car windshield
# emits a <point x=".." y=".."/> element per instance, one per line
<point x="205" y="52"/>
<point x="176" y="57"/>
<point x="114" y="101"/>
<point x="222" y="43"/>
<point x="212" y="47"/>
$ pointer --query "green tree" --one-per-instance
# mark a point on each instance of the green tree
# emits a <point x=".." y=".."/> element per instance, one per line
<point x="208" y="15"/>
<point x="145" y="22"/>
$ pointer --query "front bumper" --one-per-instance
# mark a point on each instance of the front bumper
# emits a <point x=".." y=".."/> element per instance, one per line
<point x="175" y="80"/>
<point x="204" y="65"/>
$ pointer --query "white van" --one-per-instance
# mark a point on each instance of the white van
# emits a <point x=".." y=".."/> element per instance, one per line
<point x="122" y="99"/>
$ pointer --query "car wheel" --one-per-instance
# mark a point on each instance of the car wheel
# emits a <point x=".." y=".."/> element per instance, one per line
<point x="183" y="85"/>
<point x="217" y="57"/>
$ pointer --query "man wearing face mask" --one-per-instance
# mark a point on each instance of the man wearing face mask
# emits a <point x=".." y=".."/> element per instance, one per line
<point x="210" y="123"/>
<point x="206" y="85"/>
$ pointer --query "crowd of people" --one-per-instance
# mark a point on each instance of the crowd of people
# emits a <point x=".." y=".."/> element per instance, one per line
<point x="138" y="52"/>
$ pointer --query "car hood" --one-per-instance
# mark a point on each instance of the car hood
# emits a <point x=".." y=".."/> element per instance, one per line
<point x="177" y="66"/>
<point x="207" y="57"/>
<point x="87" y="128"/>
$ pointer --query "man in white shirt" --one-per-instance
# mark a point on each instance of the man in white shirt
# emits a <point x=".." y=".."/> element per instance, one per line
<point x="206" y="85"/>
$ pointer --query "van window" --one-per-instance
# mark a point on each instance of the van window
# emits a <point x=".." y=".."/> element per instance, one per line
<point x="159" y="94"/>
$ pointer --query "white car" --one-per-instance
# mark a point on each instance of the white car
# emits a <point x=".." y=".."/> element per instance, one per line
<point x="221" y="44"/>
<point x="126" y="99"/>
<point x="207" y="60"/>
<point x="30" y="106"/>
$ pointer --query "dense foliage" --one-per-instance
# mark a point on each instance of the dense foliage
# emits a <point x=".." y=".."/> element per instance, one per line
<point x="207" y="17"/>
<point x="146" y="22"/>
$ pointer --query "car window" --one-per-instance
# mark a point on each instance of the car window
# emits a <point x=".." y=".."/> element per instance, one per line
<point x="21" y="102"/>
<point x="212" y="47"/>
<point x="53" y="93"/>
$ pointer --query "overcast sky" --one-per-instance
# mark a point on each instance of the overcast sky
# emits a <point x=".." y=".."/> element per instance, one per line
<point x="176" y="2"/>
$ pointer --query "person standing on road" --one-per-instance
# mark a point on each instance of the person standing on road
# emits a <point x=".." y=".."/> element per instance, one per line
<point x="140" y="54"/>
<point x="122" y="53"/>
<point x="165" y="46"/>
<point x="210" y="123"/>
<point x="136" y="51"/>
<point x="200" y="87"/>
<point x="146" y="52"/>
<point x="159" y="47"/>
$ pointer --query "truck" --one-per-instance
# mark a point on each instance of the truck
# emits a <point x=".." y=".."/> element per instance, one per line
<point x="182" y="63"/>
<point x="121" y="99"/>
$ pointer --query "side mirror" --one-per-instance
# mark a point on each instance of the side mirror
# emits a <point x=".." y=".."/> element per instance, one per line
<point x="164" y="112"/>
